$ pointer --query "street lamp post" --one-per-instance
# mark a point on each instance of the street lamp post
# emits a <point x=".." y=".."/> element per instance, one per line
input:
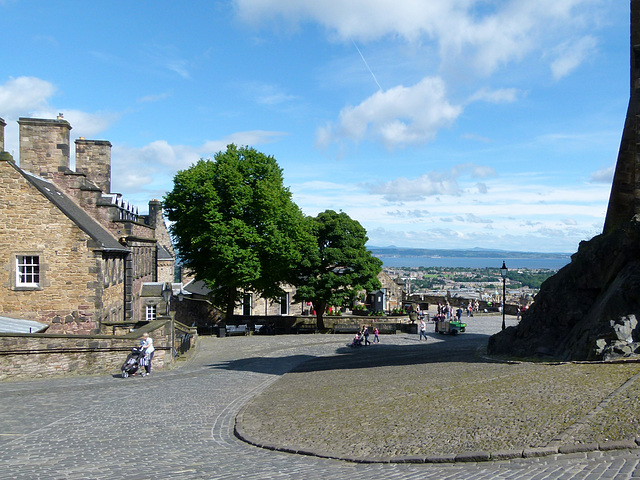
<point x="503" y="273"/>
<point x="166" y="294"/>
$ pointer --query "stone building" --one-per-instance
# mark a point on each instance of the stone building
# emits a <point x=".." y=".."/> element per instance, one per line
<point x="252" y="303"/>
<point x="389" y="297"/>
<point x="73" y="254"/>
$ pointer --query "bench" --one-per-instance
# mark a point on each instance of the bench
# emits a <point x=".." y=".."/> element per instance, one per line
<point x="346" y="328"/>
<point x="305" y="328"/>
<point x="257" y="328"/>
<point x="236" y="330"/>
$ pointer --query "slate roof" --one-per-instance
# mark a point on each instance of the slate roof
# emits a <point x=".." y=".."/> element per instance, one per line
<point x="197" y="287"/>
<point x="152" y="289"/>
<point x="163" y="253"/>
<point x="105" y="240"/>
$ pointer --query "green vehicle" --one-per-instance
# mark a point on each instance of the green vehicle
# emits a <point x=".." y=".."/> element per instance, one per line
<point x="452" y="327"/>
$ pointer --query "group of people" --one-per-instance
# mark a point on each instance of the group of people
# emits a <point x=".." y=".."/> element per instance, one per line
<point x="362" y="337"/>
<point x="446" y="311"/>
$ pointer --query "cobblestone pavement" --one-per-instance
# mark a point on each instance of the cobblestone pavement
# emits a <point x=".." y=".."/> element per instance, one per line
<point x="179" y="424"/>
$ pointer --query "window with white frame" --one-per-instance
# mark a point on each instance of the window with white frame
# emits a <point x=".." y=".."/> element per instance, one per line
<point x="150" y="313"/>
<point x="27" y="271"/>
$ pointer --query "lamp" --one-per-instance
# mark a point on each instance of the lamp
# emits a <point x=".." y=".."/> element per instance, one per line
<point x="503" y="273"/>
<point x="166" y="294"/>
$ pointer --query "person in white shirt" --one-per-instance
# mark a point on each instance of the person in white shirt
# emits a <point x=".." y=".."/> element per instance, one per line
<point x="146" y="344"/>
<point x="423" y="330"/>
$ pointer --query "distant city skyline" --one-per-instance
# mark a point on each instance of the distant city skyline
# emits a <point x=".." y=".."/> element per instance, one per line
<point x="443" y="124"/>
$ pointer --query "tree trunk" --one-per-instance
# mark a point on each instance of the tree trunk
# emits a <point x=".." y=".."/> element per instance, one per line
<point x="231" y="304"/>
<point x="320" y="308"/>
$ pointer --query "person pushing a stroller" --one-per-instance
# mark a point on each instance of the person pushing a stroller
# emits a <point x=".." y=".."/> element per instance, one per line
<point x="146" y="346"/>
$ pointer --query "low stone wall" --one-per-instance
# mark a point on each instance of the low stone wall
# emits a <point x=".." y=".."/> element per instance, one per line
<point x="25" y="355"/>
<point x="305" y="323"/>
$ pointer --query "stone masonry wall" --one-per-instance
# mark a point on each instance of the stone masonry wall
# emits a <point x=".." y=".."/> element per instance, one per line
<point x="156" y="220"/>
<point x="66" y="298"/>
<point x="43" y="355"/>
<point x="44" y="145"/>
<point x="93" y="158"/>
<point x="166" y="271"/>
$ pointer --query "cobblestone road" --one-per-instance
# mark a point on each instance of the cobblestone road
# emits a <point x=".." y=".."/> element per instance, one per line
<point x="179" y="424"/>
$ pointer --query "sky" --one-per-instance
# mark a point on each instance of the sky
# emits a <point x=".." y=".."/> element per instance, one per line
<point x="436" y="124"/>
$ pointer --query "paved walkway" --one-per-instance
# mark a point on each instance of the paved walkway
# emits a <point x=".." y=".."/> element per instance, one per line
<point x="179" y="424"/>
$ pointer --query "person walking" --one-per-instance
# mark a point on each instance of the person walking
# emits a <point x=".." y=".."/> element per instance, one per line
<point x="146" y="345"/>
<point x="376" y="338"/>
<point x="365" y="332"/>
<point x="423" y="330"/>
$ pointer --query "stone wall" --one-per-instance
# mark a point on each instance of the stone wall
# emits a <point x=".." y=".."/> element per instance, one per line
<point x="67" y="293"/>
<point x="156" y="220"/>
<point x="44" y="355"/>
<point x="166" y="271"/>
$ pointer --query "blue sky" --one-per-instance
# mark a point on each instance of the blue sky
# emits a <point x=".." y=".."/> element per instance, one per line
<point x="435" y="124"/>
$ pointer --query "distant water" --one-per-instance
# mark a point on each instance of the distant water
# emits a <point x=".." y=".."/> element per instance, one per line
<point x="475" y="262"/>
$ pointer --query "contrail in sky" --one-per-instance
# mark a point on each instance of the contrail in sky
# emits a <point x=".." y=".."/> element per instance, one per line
<point x="365" y="62"/>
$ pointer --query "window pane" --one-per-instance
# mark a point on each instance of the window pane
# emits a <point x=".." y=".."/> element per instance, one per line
<point x="150" y="313"/>
<point x="28" y="270"/>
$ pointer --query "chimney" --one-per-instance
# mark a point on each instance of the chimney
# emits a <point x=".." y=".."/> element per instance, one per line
<point x="155" y="212"/>
<point x="2" y="125"/>
<point x="44" y="145"/>
<point x="93" y="158"/>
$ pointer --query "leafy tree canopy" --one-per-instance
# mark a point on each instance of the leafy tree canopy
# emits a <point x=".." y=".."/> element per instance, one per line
<point x="341" y="266"/>
<point x="236" y="226"/>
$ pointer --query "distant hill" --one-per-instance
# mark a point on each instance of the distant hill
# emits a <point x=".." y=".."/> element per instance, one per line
<point x="462" y="253"/>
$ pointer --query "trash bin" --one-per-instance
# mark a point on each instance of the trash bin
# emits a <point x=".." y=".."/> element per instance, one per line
<point x="221" y="331"/>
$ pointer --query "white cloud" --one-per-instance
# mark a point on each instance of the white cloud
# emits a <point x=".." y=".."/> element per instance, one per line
<point x="153" y="98"/>
<point x="249" y="138"/>
<point x="31" y="97"/>
<point x="471" y="37"/>
<point x="21" y="96"/>
<point x="479" y="34"/>
<point x="429" y="184"/>
<point x="502" y="95"/>
<point x="571" y="54"/>
<point x="471" y="218"/>
<point x="83" y="124"/>
<point x="157" y="162"/>
<point x="603" y="176"/>
<point x="397" y="117"/>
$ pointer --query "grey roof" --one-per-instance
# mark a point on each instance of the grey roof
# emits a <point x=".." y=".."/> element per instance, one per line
<point x="197" y="287"/>
<point x="15" y="325"/>
<point x="98" y="233"/>
<point x="152" y="289"/>
<point x="163" y="253"/>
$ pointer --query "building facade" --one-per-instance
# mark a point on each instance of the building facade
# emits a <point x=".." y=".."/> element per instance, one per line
<point x="73" y="254"/>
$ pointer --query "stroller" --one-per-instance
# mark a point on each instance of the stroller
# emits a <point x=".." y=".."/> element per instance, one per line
<point x="357" y="341"/>
<point x="131" y="364"/>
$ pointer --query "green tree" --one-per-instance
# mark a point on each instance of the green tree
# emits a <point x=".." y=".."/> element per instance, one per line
<point x="236" y="226"/>
<point x="341" y="265"/>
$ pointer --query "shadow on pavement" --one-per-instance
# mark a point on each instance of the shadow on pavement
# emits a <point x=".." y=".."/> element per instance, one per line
<point x="460" y="348"/>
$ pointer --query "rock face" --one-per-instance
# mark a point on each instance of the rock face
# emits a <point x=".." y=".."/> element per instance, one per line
<point x="589" y="309"/>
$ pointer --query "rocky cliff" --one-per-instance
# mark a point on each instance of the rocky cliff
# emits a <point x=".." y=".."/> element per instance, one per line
<point x="589" y="309"/>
